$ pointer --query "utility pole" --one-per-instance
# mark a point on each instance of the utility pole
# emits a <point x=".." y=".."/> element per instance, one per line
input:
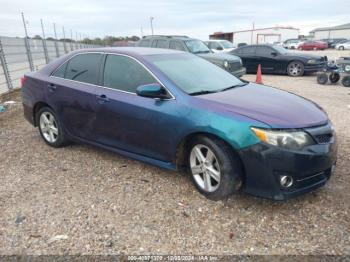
<point x="151" y="20"/>
<point x="251" y="39"/>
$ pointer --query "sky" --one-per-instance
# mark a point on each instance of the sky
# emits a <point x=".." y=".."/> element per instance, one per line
<point x="196" y="18"/>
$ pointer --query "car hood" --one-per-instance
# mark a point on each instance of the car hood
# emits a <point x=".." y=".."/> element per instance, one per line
<point x="271" y="106"/>
<point x="219" y="57"/>
<point x="302" y="56"/>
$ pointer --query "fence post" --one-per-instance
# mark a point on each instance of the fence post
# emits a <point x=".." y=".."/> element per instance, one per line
<point x="64" y="41"/>
<point x="44" y="43"/>
<point x="27" y="45"/>
<point x="5" y="68"/>
<point x="71" y="40"/>
<point x="56" y="45"/>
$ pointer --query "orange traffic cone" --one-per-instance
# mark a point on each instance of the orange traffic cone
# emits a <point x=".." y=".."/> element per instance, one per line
<point x="258" y="75"/>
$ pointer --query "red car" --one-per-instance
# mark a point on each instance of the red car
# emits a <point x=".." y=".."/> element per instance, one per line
<point x="313" y="45"/>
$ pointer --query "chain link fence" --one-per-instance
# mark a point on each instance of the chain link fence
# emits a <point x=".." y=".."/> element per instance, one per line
<point x="21" y="55"/>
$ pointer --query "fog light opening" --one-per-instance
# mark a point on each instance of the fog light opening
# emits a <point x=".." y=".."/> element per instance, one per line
<point x="286" y="181"/>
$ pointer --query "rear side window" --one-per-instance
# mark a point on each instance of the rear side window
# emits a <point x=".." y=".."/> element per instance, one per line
<point x="82" y="68"/>
<point x="162" y="44"/>
<point x="246" y="50"/>
<point x="176" y="45"/>
<point x="145" y="43"/>
<point x="264" y="50"/>
<point x="124" y="73"/>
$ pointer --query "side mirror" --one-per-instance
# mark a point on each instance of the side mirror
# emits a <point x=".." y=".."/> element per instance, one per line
<point x="274" y="53"/>
<point x="154" y="90"/>
<point x="219" y="48"/>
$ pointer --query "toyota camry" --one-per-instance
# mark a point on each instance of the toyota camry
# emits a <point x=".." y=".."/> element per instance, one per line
<point x="176" y="110"/>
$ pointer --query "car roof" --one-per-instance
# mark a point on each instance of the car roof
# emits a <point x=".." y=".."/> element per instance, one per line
<point x="177" y="37"/>
<point x="138" y="51"/>
<point x="216" y="40"/>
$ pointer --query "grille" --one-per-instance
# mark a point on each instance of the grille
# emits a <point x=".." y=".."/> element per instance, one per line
<point x="235" y="66"/>
<point x="324" y="138"/>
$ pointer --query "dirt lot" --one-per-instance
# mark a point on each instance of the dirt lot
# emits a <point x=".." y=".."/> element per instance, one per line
<point x="83" y="200"/>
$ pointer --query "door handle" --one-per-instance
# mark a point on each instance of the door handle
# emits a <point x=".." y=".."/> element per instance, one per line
<point x="102" y="98"/>
<point x="52" y="87"/>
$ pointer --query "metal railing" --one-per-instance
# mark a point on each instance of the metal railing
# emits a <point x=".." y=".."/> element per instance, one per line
<point x="21" y="55"/>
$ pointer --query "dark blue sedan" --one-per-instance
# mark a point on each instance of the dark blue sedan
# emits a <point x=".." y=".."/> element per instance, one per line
<point x="174" y="109"/>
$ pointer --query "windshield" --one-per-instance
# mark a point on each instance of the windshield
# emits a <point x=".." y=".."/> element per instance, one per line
<point x="280" y="49"/>
<point x="197" y="47"/>
<point x="227" y="44"/>
<point x="194" y="74"/>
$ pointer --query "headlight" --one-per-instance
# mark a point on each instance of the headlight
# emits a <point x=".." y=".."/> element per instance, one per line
<point x="312" y="61"/>
<point x="294" y="140"/>
<point x="240" y="61"/>
<point x="226" y="64"/>
<point x="347" y="68"/>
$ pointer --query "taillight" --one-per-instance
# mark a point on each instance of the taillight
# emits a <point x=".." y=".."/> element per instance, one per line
<point x="23" y="80"/>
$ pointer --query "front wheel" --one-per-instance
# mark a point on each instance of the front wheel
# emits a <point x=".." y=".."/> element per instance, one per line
<point x="295" y="68"/>
<point x="341" y="47"/>
<point x="215" y="170"/>
<point x="50" y="128"/>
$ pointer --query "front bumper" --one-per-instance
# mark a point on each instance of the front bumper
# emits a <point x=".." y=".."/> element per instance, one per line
<point x="314" y="68"/>
<point x="264" y="164"/>
<point x="239" y="72"/>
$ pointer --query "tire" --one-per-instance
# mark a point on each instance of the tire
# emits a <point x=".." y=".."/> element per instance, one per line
<point x="346" y="81"/>
<point x="295" y="68"/>
<point x="218" y="174"/>
<point x="341" y="48"/>
<point x="50" y="128"/>
<point x="334" y="78"/>
<point x="322" y="79"/>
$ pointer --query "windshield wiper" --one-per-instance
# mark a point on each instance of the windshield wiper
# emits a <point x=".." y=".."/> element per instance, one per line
<point x="202" y="52"/>
<point x="230" y="87"/>
<point x="202" y="92"/>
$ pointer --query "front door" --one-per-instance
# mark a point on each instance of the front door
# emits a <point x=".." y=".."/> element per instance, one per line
<point x="130" y="122"/>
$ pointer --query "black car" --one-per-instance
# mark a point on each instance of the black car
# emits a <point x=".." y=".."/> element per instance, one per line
<point x="278" y="60"/>
<point x="230" y="63"/>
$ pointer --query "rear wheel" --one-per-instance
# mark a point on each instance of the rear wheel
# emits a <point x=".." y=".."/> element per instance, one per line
<point x="215" y="171"/>
<point x="334" y="78"/>
<point x="50" y="128"/>
<point x="341" y="47"/>
<point x="346" y="81"/>
<point x="295" y="68"/>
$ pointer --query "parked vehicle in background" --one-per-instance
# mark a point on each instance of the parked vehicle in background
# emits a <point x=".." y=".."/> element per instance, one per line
<point x="219" y="46"/>
<point x="241" y="44"/>
<point x="292" y="43"/>
<point x="332" y="42"/>
<point x="313" y="45"/>
<point x="176" y="110"/>
<point x="278" y="60"/>
<point x="343" y="46"/>
<point x="232" y="64"/>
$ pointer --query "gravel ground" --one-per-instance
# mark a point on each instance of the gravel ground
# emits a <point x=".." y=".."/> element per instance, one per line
<point x="83" y="200"/>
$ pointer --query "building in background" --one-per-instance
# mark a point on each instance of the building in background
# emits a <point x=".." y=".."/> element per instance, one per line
<point x="259" y="35"/>
<point x="339" y="31"/>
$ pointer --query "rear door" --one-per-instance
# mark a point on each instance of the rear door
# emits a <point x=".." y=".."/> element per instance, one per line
<point x="70" y="91"/>
<point x="247" y="53"/>
<point x="266" y="59"/>
<point x="130" y="122"/>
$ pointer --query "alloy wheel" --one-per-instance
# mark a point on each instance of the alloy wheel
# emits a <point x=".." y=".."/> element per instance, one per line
<point x="48" y="127"/>
<point x="295" y="69"/>
<point x="205" y="168"/>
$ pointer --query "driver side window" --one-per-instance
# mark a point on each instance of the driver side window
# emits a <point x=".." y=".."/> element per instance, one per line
<point x="125" y="74"/>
